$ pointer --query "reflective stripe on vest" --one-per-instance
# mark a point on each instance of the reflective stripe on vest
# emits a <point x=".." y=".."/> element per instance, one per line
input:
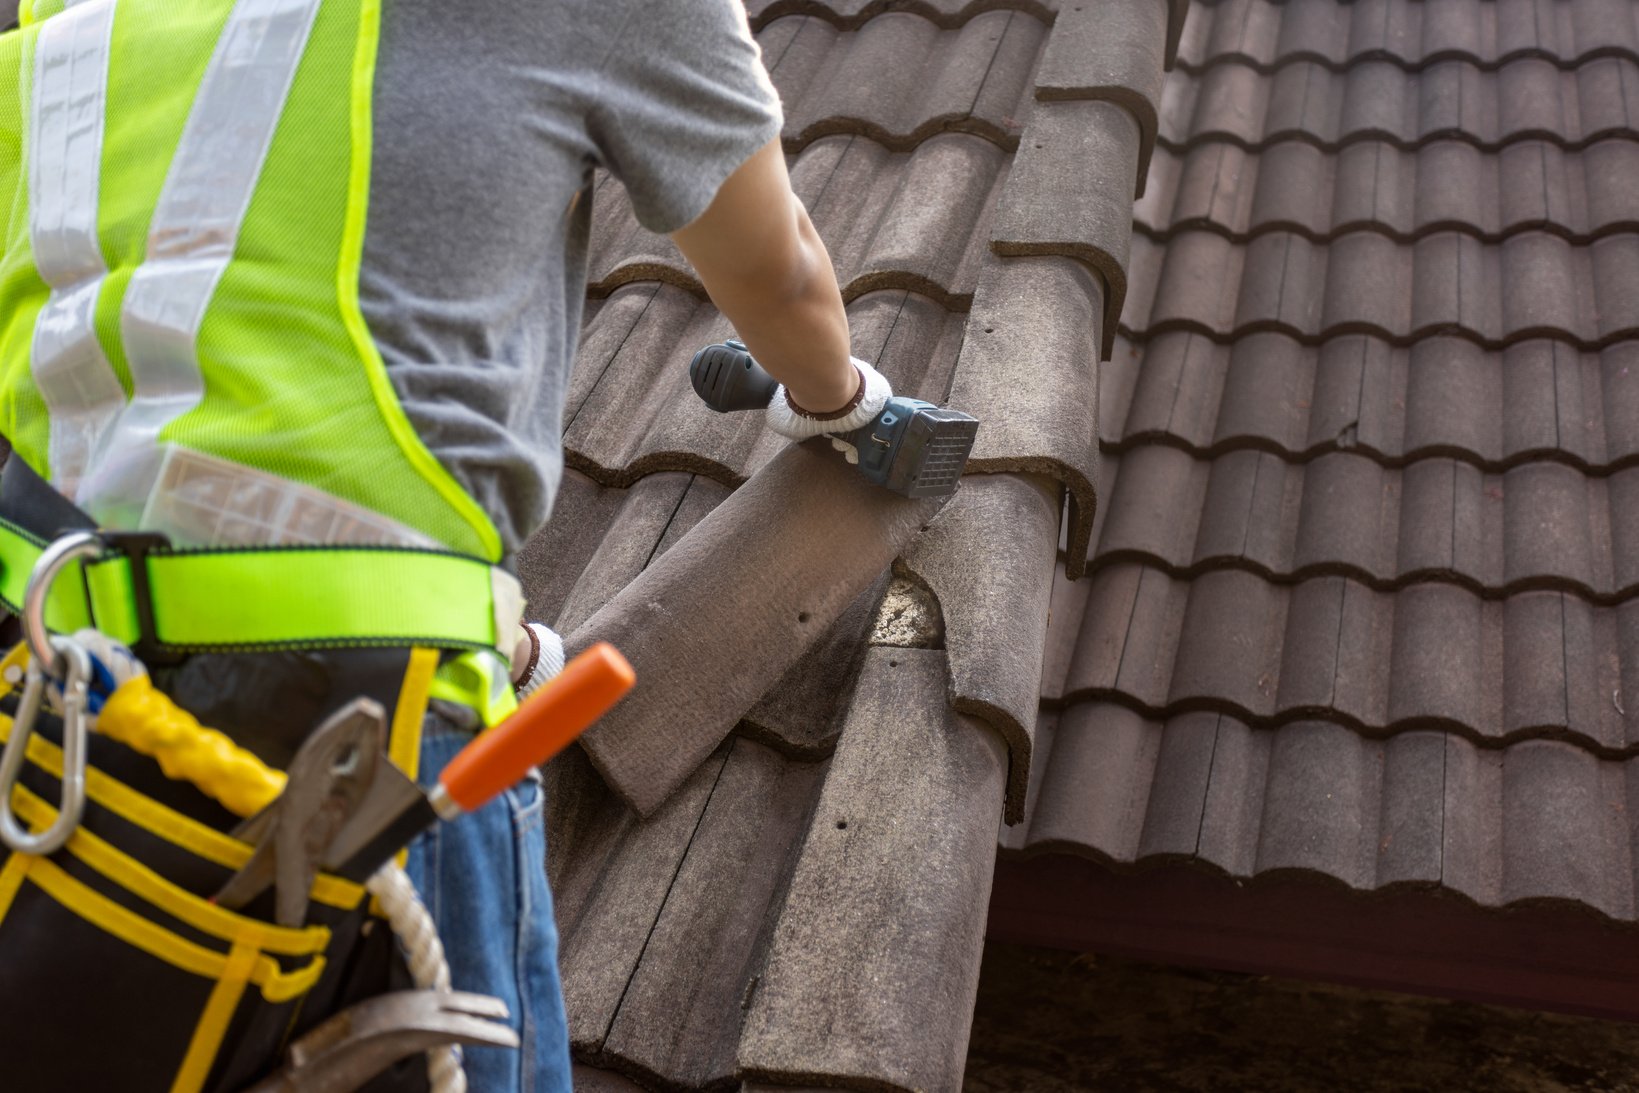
<point x="65" y="126"/>
<point x="183" y="305"/>
<point x="191" y="239"/>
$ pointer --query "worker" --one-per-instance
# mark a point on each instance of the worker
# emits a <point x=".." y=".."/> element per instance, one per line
<point x="298" y="272"/>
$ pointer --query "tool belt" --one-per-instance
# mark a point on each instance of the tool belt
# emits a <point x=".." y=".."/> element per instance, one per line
<point x="118" y="971"/>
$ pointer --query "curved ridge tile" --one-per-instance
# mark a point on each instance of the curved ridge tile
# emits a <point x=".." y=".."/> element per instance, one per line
<point x="1536" y="401"/>
<point x="1538" y="820"/>
<point x="1412" y="33"/>
<point x="631" y="412"/>
<point x="603" y="537"/>
<point x="1537" y="526"/>
<point x="899" y="77"/>
<point x="1068" y="194"/>
<point x="1533" y="285"/>
<point x="989" y="560"/>
<point x="1028" y="372"/>
<point x="1113" y="52"/>
<point x="1294" y="186"/>
<point x="1231" y="641"/>
<point x="1525" y="99"/>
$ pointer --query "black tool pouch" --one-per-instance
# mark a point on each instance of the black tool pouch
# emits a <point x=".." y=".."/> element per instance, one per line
<point x="116" y="970"/>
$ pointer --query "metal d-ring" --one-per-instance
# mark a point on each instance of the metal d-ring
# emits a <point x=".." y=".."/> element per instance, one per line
<point x="78" y="544"/>
<point x="76" y="679"/>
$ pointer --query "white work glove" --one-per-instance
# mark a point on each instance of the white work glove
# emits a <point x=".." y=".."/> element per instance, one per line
<point x="544" y="662"/>
<point x="874" y="393"/>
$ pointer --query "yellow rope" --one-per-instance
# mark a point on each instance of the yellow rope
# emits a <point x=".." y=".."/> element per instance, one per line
<point x="141" y="717"/>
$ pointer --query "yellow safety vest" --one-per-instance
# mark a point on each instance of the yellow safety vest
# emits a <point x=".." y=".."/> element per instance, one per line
<point x="181" y="343"/>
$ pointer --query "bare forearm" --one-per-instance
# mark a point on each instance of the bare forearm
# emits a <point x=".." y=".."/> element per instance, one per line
<point x="765" y="267"/>
<point x="795" y="326"/>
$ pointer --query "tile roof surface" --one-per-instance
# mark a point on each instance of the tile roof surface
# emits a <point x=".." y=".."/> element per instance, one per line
<point x="1329" y="567"/>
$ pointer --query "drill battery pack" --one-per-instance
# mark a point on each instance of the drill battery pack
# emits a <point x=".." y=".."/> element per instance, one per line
<point x="912" y="447"/>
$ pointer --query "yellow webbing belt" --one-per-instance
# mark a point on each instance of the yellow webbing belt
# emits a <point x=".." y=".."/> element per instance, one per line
<point x="247" y="599"/>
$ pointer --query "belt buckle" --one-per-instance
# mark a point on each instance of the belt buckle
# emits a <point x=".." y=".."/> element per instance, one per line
<point x="136" y="546"/>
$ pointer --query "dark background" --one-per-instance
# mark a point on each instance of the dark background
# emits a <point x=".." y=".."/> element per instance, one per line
<point x="1051" y="1022"/>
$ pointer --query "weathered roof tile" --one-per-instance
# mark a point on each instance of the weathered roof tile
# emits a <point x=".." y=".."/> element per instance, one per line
<point x="988" y="558"/>
<point x="756" y="585"/>
<point x="1109" y="51"/>
<point x="1027" y="369"/>
<point x="900" y="77"/>
<point x="884" y="911"/>
<point x="681" y="1010"/>
<point x="1068" y="193"/>
<point x="1372" y="99"/>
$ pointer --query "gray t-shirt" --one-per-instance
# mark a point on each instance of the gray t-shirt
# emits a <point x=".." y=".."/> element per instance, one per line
<point x="489" y="118"/>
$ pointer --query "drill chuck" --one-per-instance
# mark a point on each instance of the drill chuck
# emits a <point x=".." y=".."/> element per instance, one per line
<point x="912" y="447"/>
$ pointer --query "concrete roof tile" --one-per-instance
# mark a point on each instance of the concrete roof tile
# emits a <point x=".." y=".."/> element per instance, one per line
<point x="1068" y="195"/>
<point x="988" y="558"/>
<point x="1112" y="52"/>
<point x="1095" y="793"/>
<point x="681" y="1012"/>
<point x="885" y="911"/>
<point x="1520" y="99"/>
<point x="1320" y="811"/>
<point x="900" y="77"/>
<point x="1562" y="811"/>
<point x="694" y="606"/>
<point x="1027" y="371"/>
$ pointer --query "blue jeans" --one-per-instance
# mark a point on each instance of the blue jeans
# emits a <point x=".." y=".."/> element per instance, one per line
<point x="483" y="877"/>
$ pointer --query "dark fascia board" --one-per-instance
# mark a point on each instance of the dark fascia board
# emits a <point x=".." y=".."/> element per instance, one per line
<point x="1414" y="940"/>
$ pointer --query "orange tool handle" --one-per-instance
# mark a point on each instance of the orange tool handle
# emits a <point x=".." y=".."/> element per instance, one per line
<point x="547" y="722"/>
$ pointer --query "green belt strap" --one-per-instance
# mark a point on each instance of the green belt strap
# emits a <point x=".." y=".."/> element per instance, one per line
<point x="277" y="597"/>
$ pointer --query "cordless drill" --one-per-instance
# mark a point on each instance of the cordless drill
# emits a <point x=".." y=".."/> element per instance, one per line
<point x="912" y="447"/>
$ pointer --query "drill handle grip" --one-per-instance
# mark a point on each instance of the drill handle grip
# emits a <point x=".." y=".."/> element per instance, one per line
<point x="727" y="379"/>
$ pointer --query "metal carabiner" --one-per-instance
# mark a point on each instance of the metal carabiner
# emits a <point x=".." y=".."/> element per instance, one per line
<point x="71" y="807"/>
<point x="78" y="544"/>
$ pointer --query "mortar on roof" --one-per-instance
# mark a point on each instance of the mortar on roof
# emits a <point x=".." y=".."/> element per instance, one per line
<point x="909" y="617"/>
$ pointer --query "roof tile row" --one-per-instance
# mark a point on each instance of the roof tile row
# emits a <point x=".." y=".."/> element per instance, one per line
<point x="1446" y="185"/>
<point x="1539" y="820"/>
<point x="1538" y="526"/>
<point x="900" y="77"/>
<point x="1526" y="99"/>
<point x="917" y="220"/>
<point x="1534" y="285"/>
<point x="1442" y="396"/>
<point x="1414" y="33"/>
<point x="851" y="14"/>
<point x="1431" y="654"/>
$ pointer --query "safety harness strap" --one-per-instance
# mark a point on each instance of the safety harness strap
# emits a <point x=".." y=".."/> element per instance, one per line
<point x="179" y="601"/>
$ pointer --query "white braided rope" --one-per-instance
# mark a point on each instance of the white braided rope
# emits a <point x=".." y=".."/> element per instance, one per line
<point x="121" y="663"/>
<point x="408" y="917"/>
